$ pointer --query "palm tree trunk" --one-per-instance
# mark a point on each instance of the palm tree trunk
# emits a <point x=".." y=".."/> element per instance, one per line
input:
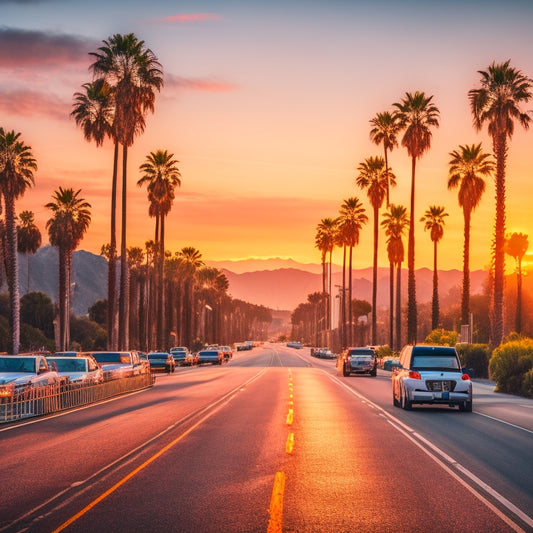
<point x="411" y="283"/>
<point x="375" y="277"/>
<point x="398" y="307"/>
<point x="330" y="275"/>
<point x="350" y="298"/>
<point x="387" y="171"/>
<point x="62" y="297"/>
<point x="518" y="324"/>
<point x="112" y="262"/>
<point x="391" y="305"/>
<point x="13" y="277"/>
<point x="161" y="298"/>
<point x="465" y="300"/>
<point x="123" y="330"/>
<point x="435" y="299"/>
<point x="68" y="275"/>
<point x="343" y="299"/>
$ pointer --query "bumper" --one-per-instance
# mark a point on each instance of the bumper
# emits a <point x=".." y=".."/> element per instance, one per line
<point x="446" y="398"/>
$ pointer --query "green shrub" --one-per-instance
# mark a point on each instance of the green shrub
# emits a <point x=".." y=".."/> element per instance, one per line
<point x="475" y="356"/>
<point x="527" y="384"/>
<point x="442" y="337"/>
<point x="509" y="364"/>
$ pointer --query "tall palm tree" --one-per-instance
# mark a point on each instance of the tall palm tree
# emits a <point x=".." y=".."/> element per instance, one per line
<point x="70" y="220"/>
<point x="17" y="165"/>
<point x="351" y="220"/>
<point x="434" y="223"/>
<point x="325" y="242"/>
<point x="395" y="221"/>
<point x="496" y="102"/>
<point x="341" y="241"/>
<point x="134" y="73"/>
<point x="94" y="111"/>
<point x="416" y="114"/>
<point x="468" y="166"/>
<point x="376" y="178"/>
<point x="384" y="131"/>
<point x="516" y="246"/>
<point x="28" y="238"/>
<point x="161" y="175"/>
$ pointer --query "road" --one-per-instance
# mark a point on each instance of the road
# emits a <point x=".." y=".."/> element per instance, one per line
<point x="273" y="441"/>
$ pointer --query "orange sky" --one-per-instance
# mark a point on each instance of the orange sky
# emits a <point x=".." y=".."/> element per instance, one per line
<point x="267" y="106"/>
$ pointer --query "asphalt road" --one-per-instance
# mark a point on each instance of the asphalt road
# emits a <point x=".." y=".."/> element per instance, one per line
<point x="273" y="441"/>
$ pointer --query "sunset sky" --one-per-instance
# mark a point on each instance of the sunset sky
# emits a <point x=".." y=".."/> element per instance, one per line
<point x="267" y="105"/>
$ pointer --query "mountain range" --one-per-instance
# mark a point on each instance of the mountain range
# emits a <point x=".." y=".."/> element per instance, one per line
<point x="280" y="284"/>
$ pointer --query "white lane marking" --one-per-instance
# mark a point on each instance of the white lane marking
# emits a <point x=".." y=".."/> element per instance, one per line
<point x="418" y="439"/>
<point x="504" y="422"/>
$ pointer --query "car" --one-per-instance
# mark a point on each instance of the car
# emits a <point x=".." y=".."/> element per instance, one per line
<point x="82" y="370"/>
<point x="430" y="375"/>
<point x="191" y="359"/>
<point x="180" y="354"/>
<point x="323" y="353"/>
<point x="161" y="361"/>
<point x="358" y="360"/>
<point x="117" y="365"/>
<point x="215" y="357"/>
<point x="19" y="374"/>
<point x="228" y="354"/>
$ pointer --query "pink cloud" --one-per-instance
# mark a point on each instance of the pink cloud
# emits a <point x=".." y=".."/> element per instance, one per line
<point x="197" y="84"/>
<point x="29" y="103"/>
<point x="185" y="18"/>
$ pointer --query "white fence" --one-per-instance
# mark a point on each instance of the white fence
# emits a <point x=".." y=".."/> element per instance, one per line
<point x="52" y="398"/>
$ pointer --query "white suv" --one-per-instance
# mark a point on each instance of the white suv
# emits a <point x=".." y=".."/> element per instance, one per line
<point x="430" y="375"/>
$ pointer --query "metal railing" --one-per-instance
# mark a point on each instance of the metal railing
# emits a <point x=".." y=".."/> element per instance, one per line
<point x="53" y="398"/>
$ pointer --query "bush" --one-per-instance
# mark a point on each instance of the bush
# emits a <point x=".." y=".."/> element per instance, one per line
<point x="442" y="337"/>
<point x="509" y="365"/>
<point x="476" y="357"/>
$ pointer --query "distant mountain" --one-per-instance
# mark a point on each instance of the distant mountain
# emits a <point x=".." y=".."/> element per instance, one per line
<point x="277" y="288"/>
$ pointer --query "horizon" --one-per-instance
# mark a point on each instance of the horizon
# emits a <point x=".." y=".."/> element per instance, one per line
<point x="269" y="137"/>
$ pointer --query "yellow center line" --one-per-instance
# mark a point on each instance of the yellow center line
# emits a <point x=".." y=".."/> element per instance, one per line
<point x="289" y="445"/>
<point x="276" y="504"/>
<point x="290" y="417"/>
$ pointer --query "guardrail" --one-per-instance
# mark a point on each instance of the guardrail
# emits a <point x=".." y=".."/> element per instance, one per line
<point x="52" y="398"/>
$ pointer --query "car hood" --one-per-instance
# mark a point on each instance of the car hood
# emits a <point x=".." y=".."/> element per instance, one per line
<point x="14" y="377"/>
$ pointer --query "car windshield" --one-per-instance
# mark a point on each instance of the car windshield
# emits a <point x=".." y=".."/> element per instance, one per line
<point x="17" y="364"/>
<point x="208" y="352"/>
<point x="108" y="357"/>
<point x="157" y="355"/>
<point x="435" y="362"/>
<point x="70" y="365"/>
<point x="363" y="357"/>
<point x="357" y="353"/>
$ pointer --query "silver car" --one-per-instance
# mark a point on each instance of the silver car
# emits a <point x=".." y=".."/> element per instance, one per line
<point x="430" y="375"/>
<point x="80" y="370"/>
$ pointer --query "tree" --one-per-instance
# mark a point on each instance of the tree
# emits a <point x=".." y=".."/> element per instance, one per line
<point x="325" y="242"/>
<point x="468" y="165"/>
<point x="17" y="165"/>
<point x="351" y="220"/>
<point x="70" y="220"/>
<point x="161" y="175"/>
<point x="416" y="114"/>
<point x="94" y="111"/>
<point x="496" y="102"/>
<point x="434" y="223"/>
<point x="28" y="238"/>
<point x="516" y="246"/>
<point x="134" y="73"/>
<point x="384" y="130"/>
<point x="395" y="221"/>
<point x="376" y="178"/>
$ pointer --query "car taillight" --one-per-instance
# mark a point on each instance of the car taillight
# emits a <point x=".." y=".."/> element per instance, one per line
<point x="465" y="377"/>
<point x="414" y="375"/>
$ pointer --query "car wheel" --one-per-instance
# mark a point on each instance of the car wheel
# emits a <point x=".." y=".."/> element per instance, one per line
<point x="466" y="406"/>
<point x="345" y="371"/>
<point x="374" y="373"/>
<point x="404" y="402"/>
<point x="395" y="402"/>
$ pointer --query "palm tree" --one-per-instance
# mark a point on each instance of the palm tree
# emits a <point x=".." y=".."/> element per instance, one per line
<point x="70" y="220"/>
<point x="496" y="102"/>
<point x="416" y="114"/>
<point x="384" y="130"/>
<point x="161" y="176"/>
<point x="28" y="238"/>
<point x="434" y="223"/>
<point x="376" y="178"/>
<point x="94" y="111"/>
<point x="325" y="242"/>
<point x="395" y="221"/>
<point x="17" y="165"/>
<point x="468" y="166"/>
<point x="134" y="73"/>
<point x="351" y="220"/>
<point x="516" y="246"/>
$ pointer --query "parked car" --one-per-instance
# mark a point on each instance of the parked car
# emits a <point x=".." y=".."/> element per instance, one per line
<point x="20" y="373"/>
<point x="118" y="365"/>
<point x="180" y="354"/>
<point x="358" y="360"/>
<point x="324" y="353"/>
<point x="228" y="354"/>
<point x="161" y="361"/>
<point x="430" y="375"/>
<point x="215" y="357"/>
<point x="83" y="370"/>
<point x="191" y="358"/>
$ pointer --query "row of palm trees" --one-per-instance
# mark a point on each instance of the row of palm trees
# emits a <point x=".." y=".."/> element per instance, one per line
<point x="496" y="103"/>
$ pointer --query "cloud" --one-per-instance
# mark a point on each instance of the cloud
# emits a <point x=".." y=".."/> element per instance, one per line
<point x="29" y="48"/>
<point x="30" y="103"/>
<point x="185" y="18"/>
<point x="197" y="84"/>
